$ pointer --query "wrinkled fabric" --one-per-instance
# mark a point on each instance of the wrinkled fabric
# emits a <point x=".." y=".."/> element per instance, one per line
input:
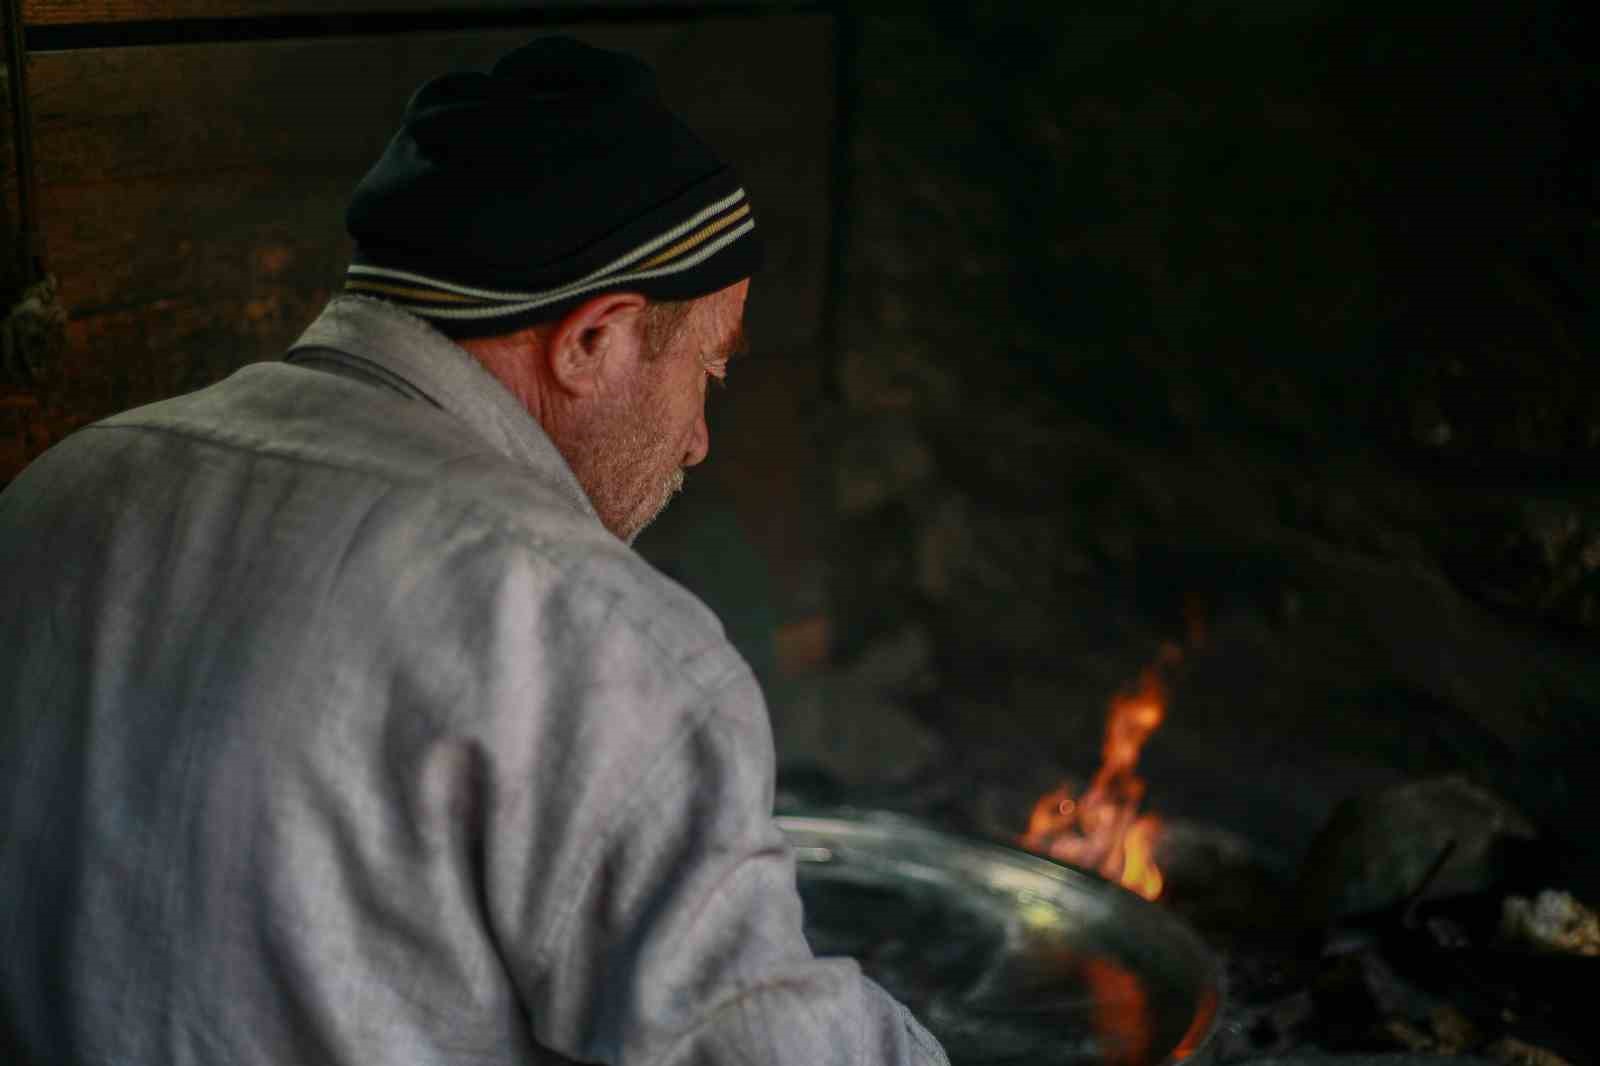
<point x="337" y="730"/>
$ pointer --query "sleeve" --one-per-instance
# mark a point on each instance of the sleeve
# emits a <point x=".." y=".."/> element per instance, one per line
<point x="680" y="940"/>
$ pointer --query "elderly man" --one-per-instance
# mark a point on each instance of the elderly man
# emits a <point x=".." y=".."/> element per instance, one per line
<point x="341" y="723"/>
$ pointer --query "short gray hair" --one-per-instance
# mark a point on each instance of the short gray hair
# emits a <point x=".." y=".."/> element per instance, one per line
<point x="660" y="321"/>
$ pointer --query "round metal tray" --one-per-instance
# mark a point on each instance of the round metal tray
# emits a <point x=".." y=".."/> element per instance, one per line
<point x="1005" y="956"/>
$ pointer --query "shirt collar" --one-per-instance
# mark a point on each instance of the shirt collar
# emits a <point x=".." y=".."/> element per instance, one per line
<point x="375" y="336"/>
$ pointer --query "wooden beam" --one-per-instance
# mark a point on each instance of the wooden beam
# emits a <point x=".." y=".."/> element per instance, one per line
<point x="68" y="12"/>
<point x="10" y="230"/>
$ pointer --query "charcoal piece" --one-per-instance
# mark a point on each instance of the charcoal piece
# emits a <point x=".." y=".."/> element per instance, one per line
<point x="1384" y="850"/>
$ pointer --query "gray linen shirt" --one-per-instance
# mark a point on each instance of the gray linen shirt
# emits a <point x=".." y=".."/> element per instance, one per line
<point x="338" y="730"/>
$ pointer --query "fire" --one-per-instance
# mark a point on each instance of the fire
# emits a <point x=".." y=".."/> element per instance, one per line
<point x="1102" y="829"/>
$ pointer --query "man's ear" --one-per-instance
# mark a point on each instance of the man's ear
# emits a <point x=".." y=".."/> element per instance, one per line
<point x="598" y="335"/>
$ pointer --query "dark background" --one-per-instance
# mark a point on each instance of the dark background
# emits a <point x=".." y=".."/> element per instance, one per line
<point x="1265" y="330"/>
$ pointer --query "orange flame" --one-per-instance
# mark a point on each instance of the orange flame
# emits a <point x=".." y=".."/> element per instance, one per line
<point x="1102" y="829"/>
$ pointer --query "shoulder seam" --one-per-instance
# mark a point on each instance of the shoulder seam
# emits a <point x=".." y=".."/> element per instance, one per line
<point x="266" y="448"/>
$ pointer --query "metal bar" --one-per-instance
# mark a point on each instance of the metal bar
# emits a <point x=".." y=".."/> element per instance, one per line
<point x="30" y="252"/>
<point x="50" y="38"/>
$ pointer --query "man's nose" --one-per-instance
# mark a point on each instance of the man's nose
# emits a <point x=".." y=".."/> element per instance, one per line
<point x="699" y="443"/>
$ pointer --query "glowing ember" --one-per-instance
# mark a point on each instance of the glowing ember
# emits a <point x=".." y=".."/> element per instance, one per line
<point x="1102" y="830"/>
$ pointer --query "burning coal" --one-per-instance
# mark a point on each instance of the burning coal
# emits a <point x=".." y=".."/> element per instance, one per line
<point x="1102" y="830"/>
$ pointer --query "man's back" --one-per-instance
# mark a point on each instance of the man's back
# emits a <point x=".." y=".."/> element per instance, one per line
<point x="340" y="731"/>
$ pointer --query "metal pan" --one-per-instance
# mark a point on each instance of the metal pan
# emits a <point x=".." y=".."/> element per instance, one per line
<point x="1005" y="956"/>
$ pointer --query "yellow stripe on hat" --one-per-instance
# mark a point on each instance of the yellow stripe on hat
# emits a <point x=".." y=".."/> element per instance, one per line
<point x="437" y="295"/>
<point x="696" y="238"/>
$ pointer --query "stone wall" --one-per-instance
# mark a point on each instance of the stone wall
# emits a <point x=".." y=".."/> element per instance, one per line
<point x="1261" y="329"/>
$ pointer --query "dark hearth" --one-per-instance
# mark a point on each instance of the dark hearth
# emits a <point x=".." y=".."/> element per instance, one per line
<point x="1340" y="956"/>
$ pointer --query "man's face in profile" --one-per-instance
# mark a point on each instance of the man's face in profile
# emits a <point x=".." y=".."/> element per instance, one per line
<point x="653" y="425"/>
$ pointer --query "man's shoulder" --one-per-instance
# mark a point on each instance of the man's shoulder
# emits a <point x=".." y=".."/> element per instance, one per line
<point x="275" y="422"/>
<point x="295" y="414"/>
<point x="609" y="593"/>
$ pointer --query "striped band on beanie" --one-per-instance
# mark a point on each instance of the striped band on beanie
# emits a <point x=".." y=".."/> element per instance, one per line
<point x="678" y="251"/>
<point x="509" y="197"/>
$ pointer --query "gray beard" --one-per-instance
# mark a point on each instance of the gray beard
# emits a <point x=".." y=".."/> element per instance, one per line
<point x="673" y="486"/>
<point x="610" y="454"/>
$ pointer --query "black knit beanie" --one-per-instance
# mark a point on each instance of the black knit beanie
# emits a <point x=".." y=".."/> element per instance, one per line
<point x="508" y="198"/>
